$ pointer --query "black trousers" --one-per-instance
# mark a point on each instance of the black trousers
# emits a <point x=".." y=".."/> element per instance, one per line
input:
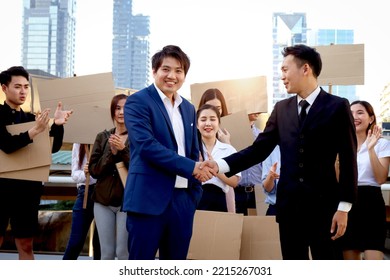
<point x="213" y="199"/>
<point x="303" y="231"/>
<point x="245" y="198"/>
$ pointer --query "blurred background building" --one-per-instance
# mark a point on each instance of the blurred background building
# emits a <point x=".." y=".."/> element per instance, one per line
<point x="48" y="41"/>
<point x="292" y="28"/>
<point x="130" y="47"/>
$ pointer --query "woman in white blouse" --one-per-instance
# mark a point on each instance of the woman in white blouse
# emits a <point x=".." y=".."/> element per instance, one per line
<point x="366" y="229"/>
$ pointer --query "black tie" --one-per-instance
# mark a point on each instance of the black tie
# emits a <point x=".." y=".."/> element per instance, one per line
<point x="304" y="104"/>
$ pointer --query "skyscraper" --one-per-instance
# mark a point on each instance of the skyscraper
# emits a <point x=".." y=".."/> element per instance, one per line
<point x="130" y="47"/>
<point x="49" y="36"/>
<point x="288" y="29"/>
<point x="324" y="37"/>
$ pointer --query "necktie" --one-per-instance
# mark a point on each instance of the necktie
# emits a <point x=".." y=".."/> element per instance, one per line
<point x="304" y="104"/>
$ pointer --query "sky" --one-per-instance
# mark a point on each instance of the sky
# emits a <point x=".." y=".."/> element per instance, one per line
<point x="225" y="39"/>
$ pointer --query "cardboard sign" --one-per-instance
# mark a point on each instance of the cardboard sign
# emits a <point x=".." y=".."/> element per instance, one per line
<point x="88" y="96"/>
<point x="36" y="154"/>
<point x="260" y="239"/>
<point x="40" y="174"/>
<point x="216" y="236"/>
<point x="122" y="170"/>
<point x="87" y="121"/>
<point x="237" y="125"/>
<point x="248" y="94"/>
<point x="261" y="206"/>
<point x="341" y="64"/>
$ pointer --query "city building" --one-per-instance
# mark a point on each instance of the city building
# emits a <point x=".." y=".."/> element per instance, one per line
<point x="288" y="29"/>
<point x="49" y="36"/>
<point x="383" y="116"/>
<point x="130" y="47"/>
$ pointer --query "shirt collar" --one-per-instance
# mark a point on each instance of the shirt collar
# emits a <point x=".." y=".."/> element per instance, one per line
<point x="163" y="97"/>
<point x="312" y="96"/>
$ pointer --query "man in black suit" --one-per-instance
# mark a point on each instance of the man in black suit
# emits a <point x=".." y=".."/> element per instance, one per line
<point x="312" y="205"/>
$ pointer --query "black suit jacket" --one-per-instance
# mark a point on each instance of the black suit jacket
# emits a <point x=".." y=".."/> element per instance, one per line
<point x="308" y="153"/>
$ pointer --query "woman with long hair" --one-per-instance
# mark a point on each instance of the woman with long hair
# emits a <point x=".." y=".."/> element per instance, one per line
<point x="111" y="147"/>
<point x="366" y="229"/>
<point x="215" y="189"/>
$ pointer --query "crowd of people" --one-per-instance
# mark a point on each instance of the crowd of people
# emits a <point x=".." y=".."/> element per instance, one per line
<point x="319" y="160"/>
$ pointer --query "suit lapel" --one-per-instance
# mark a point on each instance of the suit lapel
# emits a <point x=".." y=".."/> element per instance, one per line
<point x="292" y="112"/>
<point x="187" y="125"/>
<point x="315" y="109"/>
<point x="160" y="105"/>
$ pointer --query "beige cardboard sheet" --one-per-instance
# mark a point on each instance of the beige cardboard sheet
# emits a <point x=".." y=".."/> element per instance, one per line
<point x="88" y="96"/>
<point x="33" y="174"/>
<point x="260" y="239"/>
<point x="261" y="206"/>
<point x="216" y="236"/>
<point x="342" y="64"/>
<point x="87" y="121"/>
<point x="123" y="172"/>
<point x="248" y="94"/>
<point x="237" y="125"/>
<point x="36" y="154"/>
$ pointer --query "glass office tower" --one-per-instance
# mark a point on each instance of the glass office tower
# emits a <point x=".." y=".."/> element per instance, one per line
<point x="288" y="29"/>
<point x="49" y="36"/>
<point x="130" y="47"/>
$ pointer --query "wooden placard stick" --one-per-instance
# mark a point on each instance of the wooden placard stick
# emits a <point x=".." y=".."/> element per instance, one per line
<point x="87" y="178"/>
<point x="330" y="88"/>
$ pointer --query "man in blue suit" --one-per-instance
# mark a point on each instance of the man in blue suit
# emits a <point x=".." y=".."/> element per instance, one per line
<point x="311" y="129"/>
<point x="161" y="193"/>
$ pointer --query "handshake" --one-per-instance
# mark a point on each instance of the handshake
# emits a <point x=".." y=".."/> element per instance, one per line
<point x="205" y="170"/>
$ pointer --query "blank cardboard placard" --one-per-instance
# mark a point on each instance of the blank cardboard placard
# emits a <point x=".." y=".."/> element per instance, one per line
<point x="123" y="172"/>
<point x="88" y="96"/>
<point x="248" y="94"/>
<point x="237" y="125"/>
<point x="35" y="154"/>
<point x="261" y="206"/>
<point x="216" y="236"/>
<point x="34" y="80"/>
<point x="260" y="239"/>
<point x="341" y="64"/>
<point x="87" y="121"/>
<point x="40" y="174"/>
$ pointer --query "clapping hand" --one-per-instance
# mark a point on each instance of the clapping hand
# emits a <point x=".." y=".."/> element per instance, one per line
<point x="61" y="116"/>
<point x="224" y="136"/>
<point x="41" y="123"/>
<point x="42" y="120"/>
<point x="116" y="143"/>
<point x="373" y="136"/>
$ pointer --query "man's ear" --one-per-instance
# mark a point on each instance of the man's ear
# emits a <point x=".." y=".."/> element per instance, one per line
<point x="3" y="87"/>
<point x="306" y="68"/>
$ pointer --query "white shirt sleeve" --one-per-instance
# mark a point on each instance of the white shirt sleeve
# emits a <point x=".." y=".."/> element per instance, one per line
<point x="344" y="206"/>
<point x="222" y="166"/>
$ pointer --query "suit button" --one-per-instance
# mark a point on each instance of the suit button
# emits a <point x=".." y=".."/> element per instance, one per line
<point x="301" y="165"/>
<point x="301" y="136"/>
<point x="301" y="150"/>
<point x="301" y="180"/>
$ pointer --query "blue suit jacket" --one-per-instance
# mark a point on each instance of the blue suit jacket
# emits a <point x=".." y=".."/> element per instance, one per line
<point x="154" y="161"/>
